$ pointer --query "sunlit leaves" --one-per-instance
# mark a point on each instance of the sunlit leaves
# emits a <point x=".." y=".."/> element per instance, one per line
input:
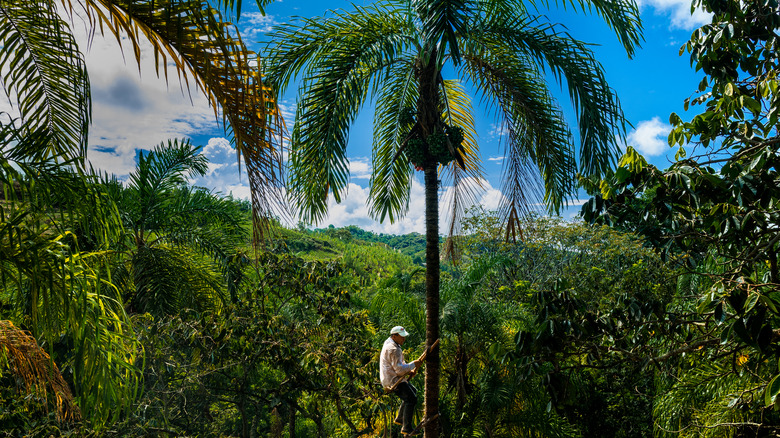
<point x="716" y="205"/>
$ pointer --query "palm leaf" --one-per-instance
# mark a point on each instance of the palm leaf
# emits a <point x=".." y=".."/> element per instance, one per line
<point x="64" y="296"/>
<point x="342" y="58"/>
<point x="392" y="177"/>
<point x="60" y="189"/>
<point x="597" y="108"/>
<point x="166" y="280"/>
<point x="442" y="21"/>
<point x="620" y="15"/>
<point x="158" y="172"/>
<point x="538" y="150"/>
<point x="464" y="182"/>
<point x="31" y="365"/>
<point x="203" y="47"/>
<point x="43" y="71"/>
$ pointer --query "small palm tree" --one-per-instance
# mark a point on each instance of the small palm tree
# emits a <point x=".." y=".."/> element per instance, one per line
<point x="398" y="52"/>
<point x="180" y="245"/>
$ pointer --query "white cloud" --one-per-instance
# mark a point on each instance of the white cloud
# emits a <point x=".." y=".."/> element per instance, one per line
<point x="353" y="210"/>
<point x="360" y="168"/>
<point x="680" y="13"/>
<point x="239" y="191"/>
<point x="113" y="161"/>
<point x="253" y="24"/>
<point x="649" y="137"/>
<point x="287" y="109"/>
<point x="496" y="159"/>
<point x="219" y="150"/>
<point x="223" y="173"/>
<point x="498" y="131"/>
<point x="492" y="198"/>
<point x="577" y="202"/>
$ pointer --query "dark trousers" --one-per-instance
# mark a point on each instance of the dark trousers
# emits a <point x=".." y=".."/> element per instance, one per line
<point x="408" y="395"/>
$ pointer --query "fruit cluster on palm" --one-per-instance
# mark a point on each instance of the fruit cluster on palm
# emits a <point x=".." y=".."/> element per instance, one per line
<point x="398" y="53"/>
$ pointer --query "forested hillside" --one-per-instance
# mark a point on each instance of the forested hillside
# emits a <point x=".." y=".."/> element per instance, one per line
<point x="412" y="244"/>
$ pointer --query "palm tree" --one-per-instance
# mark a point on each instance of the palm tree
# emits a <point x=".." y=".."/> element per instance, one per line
<point x="46" y="77"/>
<point x="181" y="243"/>
<point x="396" y="53"/>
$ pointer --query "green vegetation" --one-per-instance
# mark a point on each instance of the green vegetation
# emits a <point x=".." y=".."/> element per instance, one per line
<point x="399" y="54"/>
<point x="142" y="308"/>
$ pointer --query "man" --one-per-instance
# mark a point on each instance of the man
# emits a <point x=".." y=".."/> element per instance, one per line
<point x="392" y="368"/>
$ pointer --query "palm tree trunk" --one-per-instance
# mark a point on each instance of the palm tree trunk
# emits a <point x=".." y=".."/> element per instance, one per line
<point x="428" y="116"/>
<point x="432" y="270"/>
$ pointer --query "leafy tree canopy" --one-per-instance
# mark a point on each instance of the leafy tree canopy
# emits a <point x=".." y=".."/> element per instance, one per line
<point x="717" y="208"/>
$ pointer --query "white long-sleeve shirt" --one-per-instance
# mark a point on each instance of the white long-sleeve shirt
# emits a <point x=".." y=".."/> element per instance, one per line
<point x="391" y="363"/>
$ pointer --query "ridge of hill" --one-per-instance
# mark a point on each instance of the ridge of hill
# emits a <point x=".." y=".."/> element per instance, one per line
<point x="331" y="242"/>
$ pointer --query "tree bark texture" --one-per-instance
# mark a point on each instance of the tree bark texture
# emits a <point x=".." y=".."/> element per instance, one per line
<point x="432" y="269"/>
<point x="428" y="116"/>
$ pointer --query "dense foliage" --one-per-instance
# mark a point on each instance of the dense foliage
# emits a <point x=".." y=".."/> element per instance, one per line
<point x="137" y="308"/>
<point x="715" y="209"/>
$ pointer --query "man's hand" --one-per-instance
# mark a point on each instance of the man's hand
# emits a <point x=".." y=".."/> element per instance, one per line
<point x="417" y="364"/>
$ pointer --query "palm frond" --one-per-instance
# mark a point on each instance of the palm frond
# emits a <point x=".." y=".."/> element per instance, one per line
<point x="59" y="188"/>
<point x="599" y="115"/>
<point x="464" y="182"/>
<point x="44" y="73"/>
<point x="343" y="58"/>
<point x="106" y="349"/>
<point x="392" y="177"/>
<point x="158" y="172"/>
<point x="710" y="398"/>
<point x="211" y="225"/>
<point x="167" y="280"/>
<point x="65" y="296"/>
<point x="442" y="22"/>
<point x="31" y="365"/>
<point x="538" y="150"/>
<point x="621" y="16"/>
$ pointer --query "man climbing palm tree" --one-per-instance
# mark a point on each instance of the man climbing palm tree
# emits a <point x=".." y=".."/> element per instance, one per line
<point x="392" y="369"/>
<point x="399" y="54"/>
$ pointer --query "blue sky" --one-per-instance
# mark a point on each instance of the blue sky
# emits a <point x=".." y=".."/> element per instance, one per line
<point x="135" y="111"/>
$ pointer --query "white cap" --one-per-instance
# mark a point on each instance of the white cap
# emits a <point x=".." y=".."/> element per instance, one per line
<point x="399" y="331"/>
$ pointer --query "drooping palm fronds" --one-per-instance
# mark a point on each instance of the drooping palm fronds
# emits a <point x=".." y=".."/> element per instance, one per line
<point x="39" y="375"/>
<point x="65" y="296"/>
<point x="61" y="293"/>
<point x="45" y="75"/>
<point x="342" y="59"/>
